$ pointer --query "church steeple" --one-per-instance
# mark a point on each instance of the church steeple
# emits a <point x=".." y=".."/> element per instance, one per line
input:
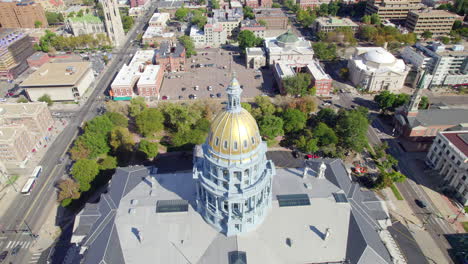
<point x="234" y="92"/>
<point x="413" y="105"/>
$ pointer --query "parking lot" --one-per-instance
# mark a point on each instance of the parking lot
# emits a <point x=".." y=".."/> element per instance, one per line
<point x="211" y="81"/>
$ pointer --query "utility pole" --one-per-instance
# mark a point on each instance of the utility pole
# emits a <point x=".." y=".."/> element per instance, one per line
<point x="30" y="231"/>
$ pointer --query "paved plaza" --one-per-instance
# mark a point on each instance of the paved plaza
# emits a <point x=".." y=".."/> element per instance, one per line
<point x="217" y="76"/>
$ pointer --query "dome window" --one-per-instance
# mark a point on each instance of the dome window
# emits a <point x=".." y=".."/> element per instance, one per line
<point x="225" y="144"/>
<point x="217" y="141"/>
<point x="253" y="140"/>
<point x="245" y="143"/>
<point x="235" y="145"/>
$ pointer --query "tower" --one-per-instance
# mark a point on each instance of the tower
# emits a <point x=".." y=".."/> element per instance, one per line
<point x="412" y="108"/>
<point x="113" y="22"/>
<point x="233" y="176"/>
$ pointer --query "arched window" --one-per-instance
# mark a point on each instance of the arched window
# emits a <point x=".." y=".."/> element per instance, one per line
<point x="225" y="144"/>
<point x="253" y="140"/>
<point x="235" y="145"/>
<point x="217" y="141"/>
<point x="245" y="143"/>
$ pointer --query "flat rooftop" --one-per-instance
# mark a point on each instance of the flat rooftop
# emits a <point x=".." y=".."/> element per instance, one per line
<point x="317" y="71"/>
<point x="57" y="74"/>
<point x="150" y="75"/>
<point x="433" y="13"/>
<point x="268" y="12"/>
<point x="10" y="133"/>
<point x="255" y="51"/>
<point x="336" y="21"/>
<point x="13" y="110"/>
<point x="157" y="32"/>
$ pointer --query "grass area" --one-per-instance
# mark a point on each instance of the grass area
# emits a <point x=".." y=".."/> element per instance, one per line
<point x="465" y="226"/>
<point x="396" y="192"/>
<point x="12" y="179"/>
<point x="466" y="209"/>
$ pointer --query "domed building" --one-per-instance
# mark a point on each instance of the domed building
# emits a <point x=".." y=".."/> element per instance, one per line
<point x="375" y="69"/>
<point x="288" y="47"/>
<point x="234" y="178"/>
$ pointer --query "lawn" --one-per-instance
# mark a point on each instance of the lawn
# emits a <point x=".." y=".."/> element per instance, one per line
<point x="465" y="226"/>
<point x="396" y="192"/>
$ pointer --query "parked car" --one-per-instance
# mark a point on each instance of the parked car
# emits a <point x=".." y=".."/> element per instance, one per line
<point x="212" y="95"/>
<point x="15" y="250"/>
<point x="258" y="76"/>
<point x="210" y="88"/>
<point x="3" y="100"/>
<point x="165" y="97"/>
<point x="196" y="88"/>
<point x="420" y="203"/>
<point x="218" y="95"/>
<point x="311" y="156"/>
<point x="295" y="154"/>
<point x="3" y="255"/>
<point x="181" y="97"/>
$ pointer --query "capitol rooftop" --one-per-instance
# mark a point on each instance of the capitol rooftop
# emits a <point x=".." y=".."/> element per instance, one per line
<point x="233" y="207"/>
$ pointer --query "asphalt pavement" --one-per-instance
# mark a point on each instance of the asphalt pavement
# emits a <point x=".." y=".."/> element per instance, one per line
<point x="29" y="212"/>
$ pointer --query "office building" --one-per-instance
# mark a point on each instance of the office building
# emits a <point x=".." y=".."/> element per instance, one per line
<point x="374" y="69"/>
<point x="229" y="19"/>
<point x="321" y="80"/>
<point x="274" y="17"/>
<point x="15" y="48"/>
<point x="327" y="24"/>
<point x="252" y="25"/>
<point x="448" y="155"/>
<point x="35" y="117"/>
<point x="392" y="10"/>
<point x="255" y="58"/>
<point x="445" y="65"/>
<point x="84" y="25"/>
<point x="438" y="22"/>
<point x="312" y="4"/>
<point x="234" y="207"/>
<point x="67" y="81"/>
<point x="23" y="14"/>
<point x="16" y="145"/>
<point x="113" y="22"/>
<point x="171" y="56"/>
<point x="288" y="47"/>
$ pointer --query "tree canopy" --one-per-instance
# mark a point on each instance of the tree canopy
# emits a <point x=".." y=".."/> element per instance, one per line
<point x="149" y="148"/>
<point x="389" y="101"/>
<point x="120" y="139"/>
<point x="46" y="99"/>
<point x="293" y="120"/>
<point x="182" y="13"/>
<point x="149" y="121"/>
<point x="247" y="39"/>
<point x="84" y="171"/>
<point x="187" y="42"/>
<point x="297" y="84"/>
<point x="325" y="135"/>
<point x="325" y="51"/>
<point x="351" y="129"/>
<point x="271" y="126"/>
<point x="248" y="12"/>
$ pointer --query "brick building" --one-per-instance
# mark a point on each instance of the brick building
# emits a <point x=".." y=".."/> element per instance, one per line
<point x="274" y="18"/>
<point x="305" y="4"/>
<point x="171" y="57"/>
<point x="150" y="81"/>
<point x="254" y="26"/>
<point x="21" y="15"/>
<point x="259" y="3"/>
<point x="15" y="48"/>
<point x="136" y="3"/>
<point x="320" y="79"/>
<point x="16" y="145"/>
<point x="449" y="156"/>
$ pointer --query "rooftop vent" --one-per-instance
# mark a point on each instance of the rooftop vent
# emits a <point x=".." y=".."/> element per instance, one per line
<point x="171" y="206"/>
<point x="293" y="200"/>
<point x="340" y="198"/>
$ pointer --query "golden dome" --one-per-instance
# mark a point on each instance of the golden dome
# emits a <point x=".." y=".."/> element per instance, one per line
<point x="234" y="133"/>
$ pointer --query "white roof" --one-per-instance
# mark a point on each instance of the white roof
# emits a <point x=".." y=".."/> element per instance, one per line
<point x="286" y="69"/>
<point x="160" y="17"/>
<point x="130" y="73"/>
<point x="195" y="31"/>
<point x="379" y="55"/>
<point x="302" y="46"/>
<point x="317" y="71"/>
<point x="385" y="61"/>
<point x="152" y="32"/>
<point x="149" y="75"/>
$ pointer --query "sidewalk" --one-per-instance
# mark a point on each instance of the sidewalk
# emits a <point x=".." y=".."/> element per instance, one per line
<point x="47" y="234"/>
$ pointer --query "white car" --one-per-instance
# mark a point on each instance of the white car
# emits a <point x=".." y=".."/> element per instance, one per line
<point x="3" y="100"/>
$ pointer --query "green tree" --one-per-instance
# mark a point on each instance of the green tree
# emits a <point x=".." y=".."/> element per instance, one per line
<point x="247" y="106"/>
<point x="68" y="190"/>
<point x="22" y="100"/>
<point x="351" y="129"/>
<point x="325" y="51"/>
<point x="137" y="105"/>
<point x="306" y="144"/>
<point x="107" y="163"/>
<point x="426" y="34"/>
<point x="149" y="148"/>
<point x="325" y="135"/>
<point x="99" y="125"/>
<point x="297" y="84"/>
<point x="187" y="42"/>
<point x="397" y="176"/>
<point x="275" y="5"/>
<point x="445" y="40"/>
<point x="84" y="171"/>
<point x="262" y="22"/>
<point x="37" y="24"/>
<point x="333" y="8"/>
<point x="293" y="120"/>
<point x="54" y="18"/>
<point x="247" y="39"/>
<point x="127" y="23"/>
<point x="46" y="99"/>
<point x="375" y="19"/>
<point x="149" y="121"/>
<point x="366" y="19"/>
<point x="93" y="144"/>
<point x="182" y="13"/>
<point x="368" y="32"/>
<point x="385" y="100"/>
<point x="214" y="4"/>
<point x="424" y="103"/>
<point x="80" y="13"/>
<point x="323" y="10"/>
<point x="271" y="126"/>
<point x="248" y="12"/>
<point x="120" y="139"/>
<point x="199" y="19"/>
<point x="327" y="116"/>
<point x="117" y="119"/>
<point x="265" y="105"/>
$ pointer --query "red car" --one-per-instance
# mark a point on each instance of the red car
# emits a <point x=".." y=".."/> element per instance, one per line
<point x="312" y="156"/>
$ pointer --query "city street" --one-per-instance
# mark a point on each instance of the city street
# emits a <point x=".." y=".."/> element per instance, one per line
<point x="29" y="212"/>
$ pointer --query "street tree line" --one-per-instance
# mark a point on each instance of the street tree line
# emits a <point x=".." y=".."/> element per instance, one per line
<point x="51" y="42"/>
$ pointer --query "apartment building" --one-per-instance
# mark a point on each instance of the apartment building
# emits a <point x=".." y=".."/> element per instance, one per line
<point x="16" y="145"/>
<point x="305" y="4"/>
<point x="449" y="156"/>
<point x="328" y="24"/>
<point x="213" y="35"/>
<point x="254" y="26"/>
<point x="155" y="35"/>
<point x="159" y="20"/>
<point x="150" y="81"/>
<point x="15" y="48"/>
<point x="171" y="57"/>
<point x="228" y="18"/>
<point x="445" y="65"/>
<point x="392" y="10"/>
<point x="66" y="81"/>
<point x="259" y="3"/>
<point x="22" y="14"/>
<point x="438" y="22"/>
<point x="35" y="117"/>
<point x="274" y="18"/>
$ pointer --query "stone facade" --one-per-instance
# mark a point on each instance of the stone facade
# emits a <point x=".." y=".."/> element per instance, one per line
<point x="87" y="24"/>
<point x="255" y="58"/>
<point x="113" y="22"/>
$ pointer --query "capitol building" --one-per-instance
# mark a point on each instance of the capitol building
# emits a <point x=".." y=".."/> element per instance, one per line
<point x="234" y="207"/>
<point x="375" y="69"/>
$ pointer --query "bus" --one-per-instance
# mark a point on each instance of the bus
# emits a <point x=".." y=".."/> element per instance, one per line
<point x="28" y="186"/>
<point x="37" y="172"/>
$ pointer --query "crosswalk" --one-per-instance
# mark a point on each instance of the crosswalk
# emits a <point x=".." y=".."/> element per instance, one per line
<point x="35" y="257"/>
<point x="12" y="244"/>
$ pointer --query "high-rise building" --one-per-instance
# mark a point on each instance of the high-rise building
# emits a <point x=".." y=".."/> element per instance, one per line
<point x="15" y="48"/>
<point x="21" y="15"/>
<point x="113" y="22"/>
<point x="392" y="10"/>
<point x="438" y="22"/>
